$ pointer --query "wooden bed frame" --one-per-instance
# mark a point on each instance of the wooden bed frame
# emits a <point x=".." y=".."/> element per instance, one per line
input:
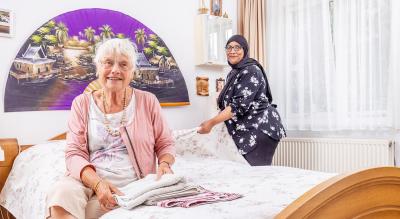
<point x="370" y="193"/>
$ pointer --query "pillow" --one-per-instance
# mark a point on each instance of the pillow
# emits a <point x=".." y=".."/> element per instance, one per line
<point x="25" y="190"/>
<point x="217" y="144"/>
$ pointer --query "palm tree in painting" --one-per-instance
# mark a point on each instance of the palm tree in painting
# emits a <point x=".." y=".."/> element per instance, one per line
<point x="36" y="39"/>
<point x="148" y="51"/>
<point x="61" y="32"/>
<point x="140" y="36"/>
<point x="52" y="39"/>
<point x="153" y="45"/>
<point x="51" y="24"/>
<point x="162" y="50"/>
<point x="106" y="32"/>
<point x="153" y="37"/>
<point x="89" y="34"/>
<point x="44" y="30"/>
<point x="120" y="36"/>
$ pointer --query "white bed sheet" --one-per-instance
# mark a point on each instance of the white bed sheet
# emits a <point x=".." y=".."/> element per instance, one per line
<point x="211" y="162"/>
<point x="266" y="190"/>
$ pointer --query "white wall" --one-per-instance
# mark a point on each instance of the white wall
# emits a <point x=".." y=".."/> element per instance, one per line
<point x="172" y="20"/>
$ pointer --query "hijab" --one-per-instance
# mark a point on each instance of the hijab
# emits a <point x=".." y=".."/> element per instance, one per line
<point x="236" y="68"/>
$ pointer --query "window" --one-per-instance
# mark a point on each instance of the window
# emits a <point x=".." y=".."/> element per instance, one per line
<point x="330" y="63"/>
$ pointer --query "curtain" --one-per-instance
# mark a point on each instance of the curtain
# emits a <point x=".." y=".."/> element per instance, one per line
<point x="251" y="24"/>
<point x="330" y="63"/>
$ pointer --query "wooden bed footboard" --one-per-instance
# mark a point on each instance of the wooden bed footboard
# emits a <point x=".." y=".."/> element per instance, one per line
<point x="370" y="193"/>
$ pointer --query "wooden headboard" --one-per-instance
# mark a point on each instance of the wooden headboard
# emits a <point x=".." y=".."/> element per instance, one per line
<point x="11" y="150"/>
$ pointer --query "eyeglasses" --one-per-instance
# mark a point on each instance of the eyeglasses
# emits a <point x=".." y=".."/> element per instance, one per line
<point x="235" y="48"/>
<point x="109" y="64"/>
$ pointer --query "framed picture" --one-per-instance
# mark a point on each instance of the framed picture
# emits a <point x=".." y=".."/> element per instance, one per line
<point x="202" y="86"/>
<point x="219" y="84"/>
<point x="6" y="23"/>
<point x="216" y="7"/>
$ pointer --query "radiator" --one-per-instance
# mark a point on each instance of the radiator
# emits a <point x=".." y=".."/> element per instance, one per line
<point x="334" y="155"/>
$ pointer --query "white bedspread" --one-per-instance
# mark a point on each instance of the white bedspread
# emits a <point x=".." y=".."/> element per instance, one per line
<point x="266" y="190"/>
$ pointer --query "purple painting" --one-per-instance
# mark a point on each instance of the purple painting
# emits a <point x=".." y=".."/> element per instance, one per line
<point x="55" y="64"/>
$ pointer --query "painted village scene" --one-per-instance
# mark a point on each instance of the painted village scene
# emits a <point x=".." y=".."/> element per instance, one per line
<point x="56" y="64"/>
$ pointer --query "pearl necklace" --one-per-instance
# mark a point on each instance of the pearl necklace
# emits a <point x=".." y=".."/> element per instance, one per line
<point x="107" y="122"/>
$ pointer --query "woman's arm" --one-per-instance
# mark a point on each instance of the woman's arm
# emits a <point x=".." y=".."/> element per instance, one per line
<point x="76" y="153"/>
<point x="103" y="189"/>
<point x="224" y="115"/>
<point x="164" y="165"/>
<point x="164" y="144"/>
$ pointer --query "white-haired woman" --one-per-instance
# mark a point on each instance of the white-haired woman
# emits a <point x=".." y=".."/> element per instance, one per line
<point x="116" y="136"/>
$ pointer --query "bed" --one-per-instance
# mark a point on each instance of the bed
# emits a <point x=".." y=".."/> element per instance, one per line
<point x="212" y="162"/>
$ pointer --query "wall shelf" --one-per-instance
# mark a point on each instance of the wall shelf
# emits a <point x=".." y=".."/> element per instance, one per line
<point x="211" y="34"/>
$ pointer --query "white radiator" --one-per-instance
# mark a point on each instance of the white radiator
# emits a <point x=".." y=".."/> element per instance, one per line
<point x="334" y="155"/>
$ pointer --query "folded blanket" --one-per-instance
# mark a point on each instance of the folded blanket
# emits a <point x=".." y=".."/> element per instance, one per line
<point x="139" y="191"/>
<point x="189" y="190"/>
<point x="206" y="197"/>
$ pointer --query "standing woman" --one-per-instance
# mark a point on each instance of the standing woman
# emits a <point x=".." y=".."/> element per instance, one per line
<point x="245" y="104"/>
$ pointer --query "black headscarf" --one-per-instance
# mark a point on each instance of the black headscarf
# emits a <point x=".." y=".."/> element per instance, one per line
<point x="246" y="61"/>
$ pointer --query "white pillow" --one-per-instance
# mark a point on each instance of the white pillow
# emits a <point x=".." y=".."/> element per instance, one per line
<point x="217" y="144"/>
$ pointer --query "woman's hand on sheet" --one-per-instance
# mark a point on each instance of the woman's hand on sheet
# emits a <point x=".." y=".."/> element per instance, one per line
<point x="206" y="127"/>
<point x="163" y="168"/>
<point x="105" y="193"/>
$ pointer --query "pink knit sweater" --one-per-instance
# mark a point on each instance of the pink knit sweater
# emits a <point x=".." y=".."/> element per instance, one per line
<point x="146" y="138"/>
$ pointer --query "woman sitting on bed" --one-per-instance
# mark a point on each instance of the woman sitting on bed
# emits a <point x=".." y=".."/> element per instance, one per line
<point x="114" y="137"/>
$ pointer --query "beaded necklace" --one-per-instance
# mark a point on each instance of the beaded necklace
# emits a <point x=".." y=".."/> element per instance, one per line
<point x="107" y="122"/>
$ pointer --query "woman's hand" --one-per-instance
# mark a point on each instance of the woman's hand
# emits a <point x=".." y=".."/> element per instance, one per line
<point x="163" y="168"/>
<point x="206" y="127"/>
<point x="104" y="192"/>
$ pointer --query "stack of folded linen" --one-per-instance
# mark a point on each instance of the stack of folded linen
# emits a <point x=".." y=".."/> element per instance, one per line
<point x="189" y="190"/>
<point x="205" y="197"/>
<point x="170" y="190"/>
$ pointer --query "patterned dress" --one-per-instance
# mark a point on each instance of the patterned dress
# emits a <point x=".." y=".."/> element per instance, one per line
<point x="253" y="114"/>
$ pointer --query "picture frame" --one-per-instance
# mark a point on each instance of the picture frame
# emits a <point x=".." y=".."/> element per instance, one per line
<point x="202" y="86"/>
<point x="6" y="23"/>
<point x="216" y="7"/>
<point x="219" y="84"/>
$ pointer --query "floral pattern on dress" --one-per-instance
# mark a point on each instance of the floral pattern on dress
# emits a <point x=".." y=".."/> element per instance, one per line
<point x="253" y="115"/>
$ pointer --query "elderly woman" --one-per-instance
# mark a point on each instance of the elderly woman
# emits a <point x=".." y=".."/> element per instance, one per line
<point x="115" y="136"/>
<point x="245" y="104"/>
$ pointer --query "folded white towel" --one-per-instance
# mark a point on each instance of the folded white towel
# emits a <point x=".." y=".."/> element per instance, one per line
<point x="189" y="190"/>
<point x="139" y="191"/>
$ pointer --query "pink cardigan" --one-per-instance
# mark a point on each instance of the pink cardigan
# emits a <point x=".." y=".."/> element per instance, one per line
<point x="146" y="137"/>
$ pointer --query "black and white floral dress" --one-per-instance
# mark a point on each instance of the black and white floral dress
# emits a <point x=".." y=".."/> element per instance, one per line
<point x="253" y="114"/>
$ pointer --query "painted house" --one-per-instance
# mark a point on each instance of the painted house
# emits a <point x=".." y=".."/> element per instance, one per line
<point x="145" y="70"/>
<point x="33" y="64"/>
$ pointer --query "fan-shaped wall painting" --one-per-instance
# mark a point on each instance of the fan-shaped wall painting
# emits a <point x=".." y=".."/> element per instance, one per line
<point x="56" y="63"/>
